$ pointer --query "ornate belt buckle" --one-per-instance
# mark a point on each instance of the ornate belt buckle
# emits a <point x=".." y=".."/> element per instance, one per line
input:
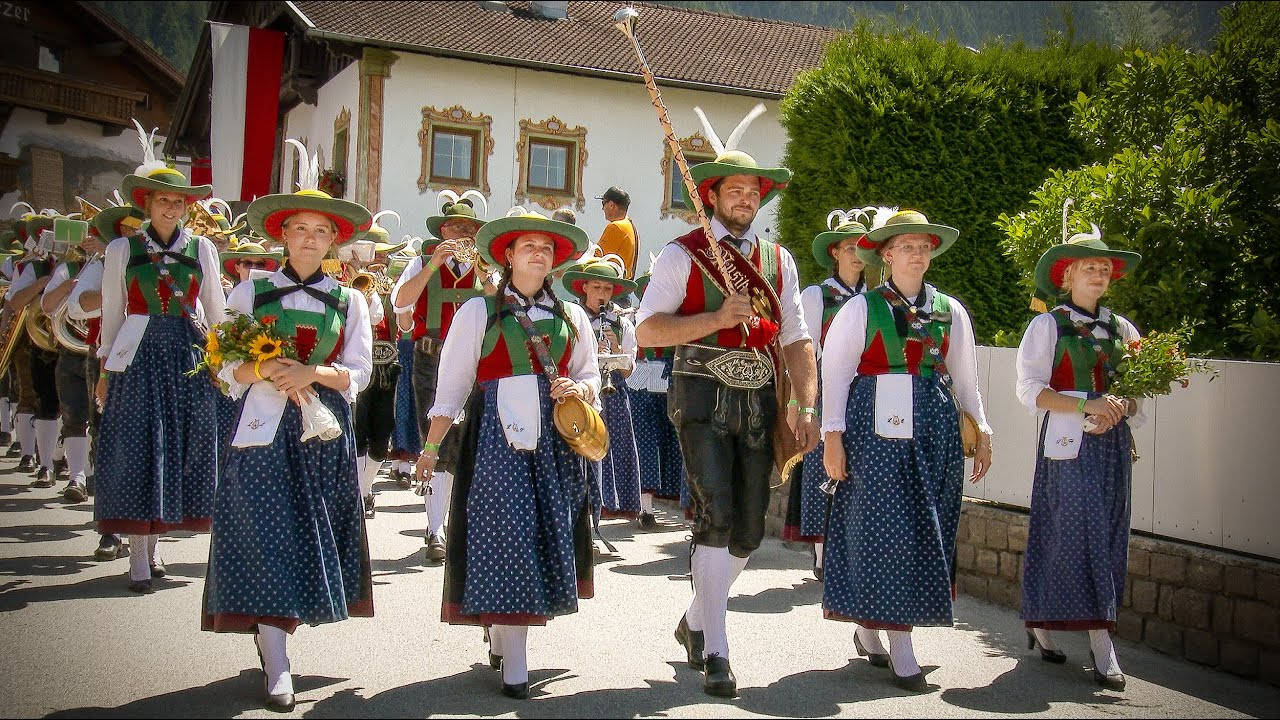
<point x="384" y="352"/>
<point x="741" y="370"/>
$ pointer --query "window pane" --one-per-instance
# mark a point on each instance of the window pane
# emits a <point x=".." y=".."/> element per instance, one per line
<point x="547" y="165"/>
<point x="451" y="155"/>
<point x="677" y="182"/>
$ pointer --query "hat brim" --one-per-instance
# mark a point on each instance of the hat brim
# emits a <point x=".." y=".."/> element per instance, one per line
<point x="1053" y="264"/>
<point x="267" y="214"/>
<point x="772" y="181"/>
<point x="435" y="221"/>
<point x="823" y="242"/>
<point x="943" y="237"/>
<point x="575" y="280"/>
<point x="136" y="188"/>
<point x="493" y="239"/>
<point x="230" y="258"/>
<point x="107" y="223"/>
<point x="379" y="248"/>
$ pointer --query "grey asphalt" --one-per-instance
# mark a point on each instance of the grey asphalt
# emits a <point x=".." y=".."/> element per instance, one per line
<point x="78" y="644"/>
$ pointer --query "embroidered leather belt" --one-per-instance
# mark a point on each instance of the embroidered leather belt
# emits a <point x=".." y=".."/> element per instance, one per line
<point x="428" y="345"/>
<point x="731" y="367"/>
<point x="384" y="352"/>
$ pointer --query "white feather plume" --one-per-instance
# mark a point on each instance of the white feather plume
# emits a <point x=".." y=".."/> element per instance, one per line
<point x="308" y="168"/>
<point x="712" y="137"/>
<point x="879" y="214"/>
<point x="214" y="202"/>
<point x="520" y="210"/>
<point x="1065" y="205"/>
<point x="736" y="135"/>
<point x="117" y="198"/>
<point x="148" y="142"/>
<point x="392" y="213"/>
<point x="445" y="197"/>
<point x="616" y="261"/>
<point x="238" y="219"/>
<point x="653" y="260"/>
<point x="475" y="196"/>
<point x="30" y="210"/>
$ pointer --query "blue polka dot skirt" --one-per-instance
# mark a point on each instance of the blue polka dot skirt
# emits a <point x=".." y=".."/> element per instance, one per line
<point x="661" y="464"/>
<point x="406" y="443"/>
<point x="1078" y="535"/>
<point x="288" y="544"/>
<point x="620" y="469"/>
<point x="157" y="451"/>
<point x="807" y="505"/>
<point x="890" y="543"/>
<point x="519" y="550"/>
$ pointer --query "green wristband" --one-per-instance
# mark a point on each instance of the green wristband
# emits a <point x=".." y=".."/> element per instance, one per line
<point x="431" y="447"/>
<point x="808" y="411"/>
<point x="1080" y="406"/>
<point x="793" y="403"/>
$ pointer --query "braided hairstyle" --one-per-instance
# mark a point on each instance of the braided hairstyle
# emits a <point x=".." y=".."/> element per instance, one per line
<point x="557" y="308"/>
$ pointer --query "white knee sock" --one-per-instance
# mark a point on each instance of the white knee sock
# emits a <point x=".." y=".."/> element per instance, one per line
<point x="902" y="654"/>
<point x="1104" y="652"/>
<point x="870" y="640"/>
<point x="6" y="420"/>
<point x="1044" y="638"/>
<point x="47" y="441"/>
<point x="77" y="457"/>
<point x="61" y="452"/>
<point x="367" y="472"/>
<point x="713" y="574"/>
<point x="275" y="655"/>
<point x="139" y="560"/>
<point x="515" y="661"/>
<point x="26" y="433"/>
<point x="817" y="554"/>
<point x="153" y="543"/>
<point x="646" y="503"/>
<point x="438" y="502"/>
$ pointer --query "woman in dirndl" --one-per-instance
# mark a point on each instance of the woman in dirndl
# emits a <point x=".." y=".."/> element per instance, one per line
<point x="1078" y="535"/>
<point x="837" y="251"/>
<point x="898" y="367"/>
<point x="596" y="283"/>
<point x="288" y="545"/>
<point x="238" y="261"/>
<point x="157" y="454"/>
<point x="662" y="466"/>
<point x="519" y="546"/>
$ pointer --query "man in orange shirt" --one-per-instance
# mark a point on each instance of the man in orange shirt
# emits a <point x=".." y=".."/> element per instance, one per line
<point x="619" y="236"/>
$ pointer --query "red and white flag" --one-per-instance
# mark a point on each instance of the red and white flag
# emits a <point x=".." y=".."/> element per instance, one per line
<point x="244" y="110"/>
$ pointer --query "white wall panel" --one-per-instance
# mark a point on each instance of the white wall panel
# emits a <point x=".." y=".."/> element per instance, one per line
<point x="1188" y="462"/>
<point x="1246" y="471"/>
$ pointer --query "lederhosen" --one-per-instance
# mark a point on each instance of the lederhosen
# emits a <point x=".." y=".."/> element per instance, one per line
<point x="43" y="367"/>
<point x="376" y="405"/>
<point x="725" y="419"/>
<point x="73" y="402"/>
<point x="432" y="314"/>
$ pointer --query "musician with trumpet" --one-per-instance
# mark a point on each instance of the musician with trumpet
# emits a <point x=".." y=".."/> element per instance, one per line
<point x="596" y="283"/>
<point x="430" y="291"/>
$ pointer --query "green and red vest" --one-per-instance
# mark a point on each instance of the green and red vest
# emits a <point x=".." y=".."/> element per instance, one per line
<point x="318" y="337"/>
<point x="505" y="351"/>
<point x="43" y="266"/>
<point x="440" y="300"/>
<point x="892" y="347"/>
<point x="701" y="294"/>
<point x="832" y="300"/>
<point x="147" y="293"/>
<point x="1077" y="363"/>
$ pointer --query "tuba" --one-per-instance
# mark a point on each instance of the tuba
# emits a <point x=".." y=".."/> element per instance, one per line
<point x="12" y="326"/>
<point x="39" y="327"/>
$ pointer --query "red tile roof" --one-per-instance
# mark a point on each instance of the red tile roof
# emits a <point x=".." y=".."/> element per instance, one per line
<point x="739" y="54"/>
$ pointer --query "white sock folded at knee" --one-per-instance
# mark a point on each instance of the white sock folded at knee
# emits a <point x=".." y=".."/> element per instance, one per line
<point x="514" y="641"/>
<point x="139" y="558"/>
<point x="47" y="441"/>
<point x="77" y="456"/>
<point x="902" y="654"/>
<point x="274" y="645"/>
<point x="22" y="425"/>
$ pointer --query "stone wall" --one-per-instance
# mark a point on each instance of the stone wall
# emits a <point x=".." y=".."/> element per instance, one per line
<point x="1210" y="607"/>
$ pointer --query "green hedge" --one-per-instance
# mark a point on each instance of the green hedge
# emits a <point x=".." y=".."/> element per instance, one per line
<point x="963" y="136"/>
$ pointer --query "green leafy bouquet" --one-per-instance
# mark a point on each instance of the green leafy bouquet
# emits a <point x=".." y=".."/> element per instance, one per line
<point x="245" y="338"/>
<point x="1150" y="366"/>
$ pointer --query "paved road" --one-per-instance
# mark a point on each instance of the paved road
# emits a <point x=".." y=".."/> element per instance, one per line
<point x="78" y="644"/>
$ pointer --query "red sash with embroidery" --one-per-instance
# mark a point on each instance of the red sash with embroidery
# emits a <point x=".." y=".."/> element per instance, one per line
<point x="744" y="276"/>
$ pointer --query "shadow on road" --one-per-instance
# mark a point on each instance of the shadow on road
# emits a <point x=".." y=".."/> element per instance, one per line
<point x="222" y="698"/>
<point x="111" y="586"/>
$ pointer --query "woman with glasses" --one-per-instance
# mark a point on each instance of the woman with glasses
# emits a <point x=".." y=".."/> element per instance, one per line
<point x="898" y="367"/>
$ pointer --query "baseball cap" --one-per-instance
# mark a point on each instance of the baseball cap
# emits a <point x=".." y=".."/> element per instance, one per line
<point x="617" y="195"/>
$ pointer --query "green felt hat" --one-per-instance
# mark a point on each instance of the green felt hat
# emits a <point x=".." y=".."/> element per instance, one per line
<point x="453" y="207"/>
<point x="33" y="225"/>
<point x="268" y="214"/>
<point x="113" y="222"/>
<point x="731" y="161"/>
<point x="846" y="225"/>
<point x="1052" y="265"/>
<point x="904" y="222"/>
<point x="248" y="250"/>
<point x="9" y="244"/>
<point x="496" y="235"/>
<point x="594" y="269"/>
<point x="137" y="187"/>
<point x="380" y="237"/>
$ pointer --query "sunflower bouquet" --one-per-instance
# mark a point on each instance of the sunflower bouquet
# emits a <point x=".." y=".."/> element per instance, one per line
<point x="242" y="338"/>
<point x="1150" y="366"/>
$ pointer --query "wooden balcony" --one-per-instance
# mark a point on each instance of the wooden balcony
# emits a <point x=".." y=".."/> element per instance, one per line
<point x="57" y="93"/>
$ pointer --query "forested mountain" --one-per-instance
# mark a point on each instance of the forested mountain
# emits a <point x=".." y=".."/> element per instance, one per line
<point x="1123" y="23"/>
<point x="172" y="27"/>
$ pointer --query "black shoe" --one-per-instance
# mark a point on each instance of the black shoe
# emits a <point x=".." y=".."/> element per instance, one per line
<point x="693" y="643"/>
<point x="142" y="587"/>
<point x="876" y="659"/>
<point x="1109" y="682"/>
<point x="60" y="467"/>
<point x="719" y="680"/>
<point x="157" y="570"/>
<point x="14" y="450"/>
<point x="913" y="683"/>
<point x="75" y="492"/>
<point x="404" y="480"/>
<point x="648" y="521"/>
<point x="519" y="691"/>
<point x="44" y="479"/>
<point x="281" y="703"/>
<point x="817" y="572"/>
<point x="435" y="549"/>
<point x="1054" y="656"/>
<point x="26" y="464"/>
<point x="109" y="548"/>
<point x="368" y="506"/>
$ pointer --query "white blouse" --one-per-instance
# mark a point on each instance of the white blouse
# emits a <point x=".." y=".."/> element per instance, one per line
<point x="671" y="277"/>
<point x="210" y="305"/>
<point x="60" y="275"/>
<point x="417" y="265"/>
<point x="628" y="339"/>
<point x="811" y="306"/>
<point x="90" y="280"/>
<point x="26" y="276"/>
<point x="460" y="357"/>
<point x="1039" y="345"/>
<point x="848" y="337"/>
<point x="357" y="336"/>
